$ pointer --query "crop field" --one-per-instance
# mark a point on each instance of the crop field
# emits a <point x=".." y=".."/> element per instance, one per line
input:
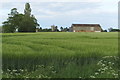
<point x="60" y="55"/>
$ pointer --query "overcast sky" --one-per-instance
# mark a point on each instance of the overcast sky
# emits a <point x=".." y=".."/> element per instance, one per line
<point x="66" y="12"/>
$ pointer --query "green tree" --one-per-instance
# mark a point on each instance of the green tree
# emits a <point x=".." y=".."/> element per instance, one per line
<point x="40" y="29"/>
<point x="12" y="22"/>
<point x="23" y="22"/>
<point x="27" y="9"/>
<point x="66" y="29"/>
<point x="54" y="28"/>
<point x="13" y="12"/>
<point x="61" y="28"/>
<point x="29" y="22"/>
<point x="110" y="29"/>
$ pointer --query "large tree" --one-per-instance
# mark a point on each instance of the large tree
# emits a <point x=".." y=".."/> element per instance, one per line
<point x="23" y="22"/>
<point x="29" y="22"/>
<point x="13" y="21"/>
<point x="27" y="9"/>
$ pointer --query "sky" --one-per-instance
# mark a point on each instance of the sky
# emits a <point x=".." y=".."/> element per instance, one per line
<point x="66" y="12"/>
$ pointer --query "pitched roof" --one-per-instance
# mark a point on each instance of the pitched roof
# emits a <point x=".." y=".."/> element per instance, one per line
<point x="88" y="25"/>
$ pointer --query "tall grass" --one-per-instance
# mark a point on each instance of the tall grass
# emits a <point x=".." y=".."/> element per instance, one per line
<point x="72" y="54"/>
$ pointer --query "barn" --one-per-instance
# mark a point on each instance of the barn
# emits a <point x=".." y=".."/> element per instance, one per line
<point x="85" y="28"/>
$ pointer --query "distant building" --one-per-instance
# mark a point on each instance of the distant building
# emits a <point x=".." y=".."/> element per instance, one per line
<point x="85" y="28"/>
<point x="53" y="28"/>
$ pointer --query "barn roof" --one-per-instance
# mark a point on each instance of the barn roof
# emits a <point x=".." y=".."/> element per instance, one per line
<point x="88" y="25"/>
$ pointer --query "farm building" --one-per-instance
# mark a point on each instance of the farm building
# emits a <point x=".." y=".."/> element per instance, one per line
<point x="85" y="28"/>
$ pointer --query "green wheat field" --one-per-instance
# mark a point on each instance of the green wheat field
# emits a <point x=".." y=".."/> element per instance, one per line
<point x="60" y="55"/>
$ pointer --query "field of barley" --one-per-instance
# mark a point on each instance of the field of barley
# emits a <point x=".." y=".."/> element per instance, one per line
<point x="60" y="55"/>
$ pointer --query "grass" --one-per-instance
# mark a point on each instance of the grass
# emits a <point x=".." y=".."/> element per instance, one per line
<point x="71" y="55"/>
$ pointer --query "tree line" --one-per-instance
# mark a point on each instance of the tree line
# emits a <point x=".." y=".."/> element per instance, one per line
<point x="53" y="29"/>
<point x="28" y="23"/>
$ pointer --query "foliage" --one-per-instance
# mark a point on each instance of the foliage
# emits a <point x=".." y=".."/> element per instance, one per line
<point x="61" y="28"/>
<point x="58" y="55"/>
<point x="40" y="29"/>
<point x="54" y="28"/>
<point x="104" y="31"/>
<point x="64" y="29"/>
<point x="28" y="24"/>
<point x="12" y="22"/>
<point x="44" y="30"/>
<point x="110" y="29"/>
<point x="113" y="30"/>
<point x="27" y="10"/>
<point x="108" y="67"/>
<point x="23" y="22"/>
